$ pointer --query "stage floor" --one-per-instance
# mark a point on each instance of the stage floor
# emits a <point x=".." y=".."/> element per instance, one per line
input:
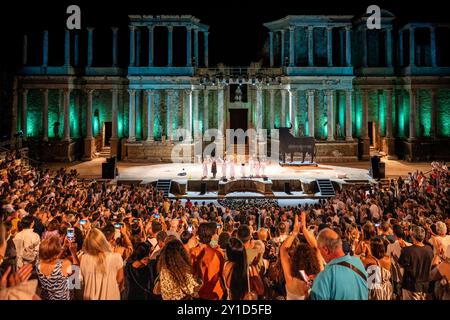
<point x="153" y="172"/>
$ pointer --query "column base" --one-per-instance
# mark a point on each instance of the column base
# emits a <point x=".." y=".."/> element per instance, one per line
<point x="388" y="146"/>
<point x="114" y="142"/>
<point x="89" y="149"/>
<point x="349" y="139"/>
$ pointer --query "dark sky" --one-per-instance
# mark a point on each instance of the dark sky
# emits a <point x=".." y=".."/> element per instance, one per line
<point x="236" y="30"/>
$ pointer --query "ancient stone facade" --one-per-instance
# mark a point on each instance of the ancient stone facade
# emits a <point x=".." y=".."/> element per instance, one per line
<point x="329" y="76"/>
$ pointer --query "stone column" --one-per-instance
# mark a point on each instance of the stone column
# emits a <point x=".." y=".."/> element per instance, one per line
<point x="138" y="47"/>
<point x="132" y="116"/>
<point x="89" y="141"/>
<point x="310" y="46"/>
<point x="365" y="154"/>
<point x="150" y="115"/>
<point x="390" y="141"/>
<point x="330" y="115"/>
<point x="412" y="114"/>
<point x="45" y="114"/>
<point x="169" y="115"/>
<point x="282" y="48"/>
<point x="24" y="112"/>
<point x="25" y="50"/>
<point x="310" y="95"/>
<point x="433" y="49"/>
<point x="196" y="115"/>
<point x="75" y="49"/>
<point x="206" y="48"/>
<point x="188" y="114"/>
<point x="348" y="115"/>
<point x="433" y="128"/>
<point x="400" y="47"/>
<point x="412" y="47"/>
<point x="283" y="108"/>
<point x="364" y="46"/>
<point x="196" y="56"/>
<point x="45" y="49"/>
<point x="67" y="48"/>
<point x="271" y="49"/>
<point x="220" y="110"/>
<point x="272" y="109"/>
<point x="115" y="46"/>
<point x="293" y="110"/>
<point x="388" y="45"/>
<point x="259" y="108"/>
<point x="348" y="46"/>
<point x="90" y="49"/>
<point x="188" y="46"/>
<point x="169" y="46"/>
<point x="114" y="140"/>
<point x="291" y="47"/>
<point x="150" y="46"/>
<point x="138" y="116"/>
<point x="205" y="109"/>
<point x="66" y="114"/>
<point x="330" y="46"/>
<point x="132" y="47"/>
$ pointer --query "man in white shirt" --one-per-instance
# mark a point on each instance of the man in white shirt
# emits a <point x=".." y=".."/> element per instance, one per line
<point x="375" y="211"/>
<point x="443" y="238"/>
<point x="394" y="251"/>
<point x="27" y="243"/>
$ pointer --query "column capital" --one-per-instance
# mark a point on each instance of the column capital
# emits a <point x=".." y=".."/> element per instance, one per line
<point x="150" y="92"/>
<point x="282" y="31"/>
<point x="351" y="90"/>
<point x="170" y="91"/>
<point x="44" y="90"/>
<point x="114" y="90"/>
<point x="411" y="28"/>
<point x="132" y="92"/>
<point x="66" y="90"/>
<point x="90" y="29"/>
<point x="89" y="91"/>
<point x="132" y="28"/>
<point x="170" y="28"/>
<point x="291" y="28"/>
<point x="329" y="28"/>
<point x="151" y="27"/>
<point x="188" y="91"/>
<point x="388" y="28"/>
<point x="115" y="29"/>
<point x="389" y="90"/>
<point x="348" y="28"/>
<point x="310" y="28"/>
<point x="310" y="92"/>
<point x="23" y="90"/>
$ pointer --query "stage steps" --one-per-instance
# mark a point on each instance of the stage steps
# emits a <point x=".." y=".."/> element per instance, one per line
<point x="326" y="187"/>
<point x="105" y="152"/>
<point x="164" y="185"/>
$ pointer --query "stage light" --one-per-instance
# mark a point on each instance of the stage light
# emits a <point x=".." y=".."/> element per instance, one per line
<point x="253" y="81"/>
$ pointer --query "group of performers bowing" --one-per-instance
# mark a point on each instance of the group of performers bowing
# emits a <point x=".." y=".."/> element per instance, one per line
<point x="229" y="164"/>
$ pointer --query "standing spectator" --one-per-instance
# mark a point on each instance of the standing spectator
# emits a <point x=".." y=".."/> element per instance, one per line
<point x="102" y="269"/>
<point x="241" y="280"/>
<point x="208" y="263"/>
<point x="416" y="260"/>
<point x="52" y="271"/>
<point x="253" y="248"/>
<point x="443" y="238"/>
<point x="138" y="274"/>
<point x="344" y="276"/>
<point x="176" y="278"/>
<point x="27" y="243"/>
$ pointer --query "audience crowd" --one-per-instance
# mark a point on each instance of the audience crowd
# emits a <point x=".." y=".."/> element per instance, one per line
<point x="65" y="238"/>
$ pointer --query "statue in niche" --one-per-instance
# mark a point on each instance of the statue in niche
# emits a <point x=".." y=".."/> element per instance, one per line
<point x="238" y="94"/>
<point x="338" y="131"/>
<point x="56" y="129"/>
<point x="301" y="130"/>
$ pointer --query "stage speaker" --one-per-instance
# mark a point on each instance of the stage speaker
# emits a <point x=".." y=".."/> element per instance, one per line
<point x="108" y="171"/>
<point x="375" y="162"/>
<point x="382" y="170"/>
<point x="287" y="188"/>
<point x="266" y="179"/>
<point x="203" y="188"/>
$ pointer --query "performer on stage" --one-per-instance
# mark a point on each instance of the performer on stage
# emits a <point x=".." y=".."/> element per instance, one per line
<point x="257" y="167"/>
<point x="232" y="163"/>
<point x="243" y="170"/>
<point x="263" y="167"/>
<point x="214" y="168"/>
<point x="224" y="167"/>
<point x="205" y="169"/>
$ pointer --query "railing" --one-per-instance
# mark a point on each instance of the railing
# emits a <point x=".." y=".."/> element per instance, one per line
<point x="240" y="72"/>
<point x="26" y="161"/>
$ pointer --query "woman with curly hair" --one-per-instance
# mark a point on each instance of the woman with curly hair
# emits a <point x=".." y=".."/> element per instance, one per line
<point x="176" y="279"/>
<point x="298" y="264"/>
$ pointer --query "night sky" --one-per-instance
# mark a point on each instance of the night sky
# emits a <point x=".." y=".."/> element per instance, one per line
<point x="237" y="33"/>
